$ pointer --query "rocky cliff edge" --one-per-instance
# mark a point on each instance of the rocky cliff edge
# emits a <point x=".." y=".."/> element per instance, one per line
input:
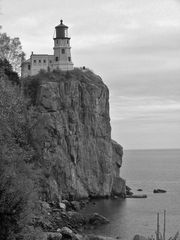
<point x="73" y="137"/>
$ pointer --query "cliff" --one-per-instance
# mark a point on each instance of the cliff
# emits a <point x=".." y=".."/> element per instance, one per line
<point x="72" y="135"/>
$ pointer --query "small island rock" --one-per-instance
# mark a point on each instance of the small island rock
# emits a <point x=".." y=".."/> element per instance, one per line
<point x="159" y="191"/>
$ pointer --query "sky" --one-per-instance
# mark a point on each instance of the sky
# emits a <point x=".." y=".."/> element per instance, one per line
<point x="134" y="45"/>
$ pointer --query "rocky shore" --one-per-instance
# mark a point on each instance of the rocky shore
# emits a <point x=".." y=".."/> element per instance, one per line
<point x="64" y="221"/>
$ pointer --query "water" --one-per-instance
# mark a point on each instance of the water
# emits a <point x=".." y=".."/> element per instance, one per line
<point x="146" y="169"/>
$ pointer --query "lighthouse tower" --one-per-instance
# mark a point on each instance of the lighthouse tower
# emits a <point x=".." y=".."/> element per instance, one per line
<point x="62" y="49"/>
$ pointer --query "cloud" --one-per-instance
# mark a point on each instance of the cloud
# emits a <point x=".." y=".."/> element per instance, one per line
<point x="132" y="44"/>
<point x="145" y="108"/>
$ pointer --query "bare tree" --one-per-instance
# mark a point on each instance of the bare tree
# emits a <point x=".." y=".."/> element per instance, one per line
<point x="11" y="49"/>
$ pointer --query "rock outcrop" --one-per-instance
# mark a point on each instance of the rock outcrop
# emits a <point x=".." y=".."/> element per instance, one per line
<point x="119" y="185"/>
<point x="72" y="135"/>
<point x="97" y="219"/>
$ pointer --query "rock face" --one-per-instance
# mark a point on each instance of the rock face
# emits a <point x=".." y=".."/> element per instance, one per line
<point x="119" y="185"/>
<point x="73" y="137"/>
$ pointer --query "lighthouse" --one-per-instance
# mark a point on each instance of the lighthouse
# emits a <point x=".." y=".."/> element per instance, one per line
<point x="62" y="48"/>
<point x="60" y="60"/>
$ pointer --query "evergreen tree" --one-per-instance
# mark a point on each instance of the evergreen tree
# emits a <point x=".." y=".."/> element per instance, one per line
<point x="6" y="68"/>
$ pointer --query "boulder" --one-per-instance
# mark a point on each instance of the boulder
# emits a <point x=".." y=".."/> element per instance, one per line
<point x="76" y="218"/>
<point x="139" y="237"/>
<point x="54" y="236"/>
<point x="114" y="197"/>
<point x="44" y="222"/>
<point x="45" y="207"/>
<point x="62" y="206"/>
<point x="67" y="232"/>
<point x="76" y="205"/>
<point x="128" y="191"/>
<point x="67" y="203"/>
<point x="128" y="188"/>
<point x="118" y="188"/>
<point x="136" y="196"/>
<point x="97" y="237"/>
<point x="83" y="203"/>
<point x="79" y="237"/>
<point x="97" y="219"/>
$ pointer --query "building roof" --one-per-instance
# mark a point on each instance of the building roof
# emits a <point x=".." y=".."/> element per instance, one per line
<point x="36" y="55"/>
<point x="41" y="55"/>
<point x="27" y="61"/>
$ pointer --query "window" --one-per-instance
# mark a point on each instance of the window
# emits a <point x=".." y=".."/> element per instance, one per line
<point x="57" y="41"/>
<point x="44" y="61"/>
<point x="34" y="61"/>
<point x="67" y="41"/>
<point x="69" y="59"/>
<point x="57" y="59"/>
<point x="29" y="67"/>
<point x="39" y="60"/>
<point x="50" y="61"/>
<point x="63" y="51"/>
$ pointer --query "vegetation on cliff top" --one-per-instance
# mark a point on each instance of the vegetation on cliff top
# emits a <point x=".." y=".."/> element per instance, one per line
<point x="31" y="84"/>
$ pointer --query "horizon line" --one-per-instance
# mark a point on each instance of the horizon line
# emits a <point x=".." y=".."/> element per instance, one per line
<point x="149" y="149"/>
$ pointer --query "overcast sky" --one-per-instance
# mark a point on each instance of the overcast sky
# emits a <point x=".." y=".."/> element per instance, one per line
<point x="133" y="44"/>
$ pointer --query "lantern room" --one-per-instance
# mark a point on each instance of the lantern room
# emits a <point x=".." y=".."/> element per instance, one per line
<point x="61" y="31"/>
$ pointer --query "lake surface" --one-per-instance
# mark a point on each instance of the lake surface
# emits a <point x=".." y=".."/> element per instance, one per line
<point x="145" y="169"/>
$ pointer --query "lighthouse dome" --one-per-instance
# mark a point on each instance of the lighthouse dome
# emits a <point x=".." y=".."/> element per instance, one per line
<point x="61" y="31"/>
<point x="61" y="25"/>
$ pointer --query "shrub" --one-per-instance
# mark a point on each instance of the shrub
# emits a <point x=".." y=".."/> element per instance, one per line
<point x="7" y="69"/>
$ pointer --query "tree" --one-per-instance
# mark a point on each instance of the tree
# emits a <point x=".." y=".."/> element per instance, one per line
<point x="11" y="49"/>
<point x="18" y="194"/>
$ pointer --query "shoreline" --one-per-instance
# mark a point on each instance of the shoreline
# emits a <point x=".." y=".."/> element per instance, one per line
<point x="74" y="223"/>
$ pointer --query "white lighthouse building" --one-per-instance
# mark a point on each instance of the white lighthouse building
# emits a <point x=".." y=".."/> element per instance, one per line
<point x="62" y="49"/>
<point x="61" y="59"/>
